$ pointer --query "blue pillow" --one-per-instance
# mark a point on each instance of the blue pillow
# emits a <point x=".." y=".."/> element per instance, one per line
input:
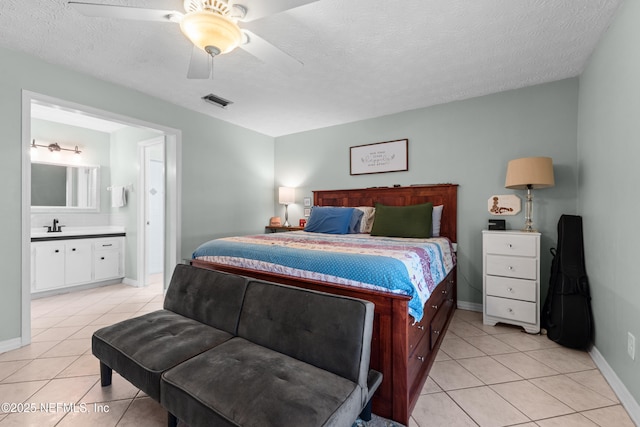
<point x="356" y="220"/>
<point x="330" y="220"/>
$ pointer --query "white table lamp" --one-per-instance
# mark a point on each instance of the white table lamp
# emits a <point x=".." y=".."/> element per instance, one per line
<point x="286" y="196"/>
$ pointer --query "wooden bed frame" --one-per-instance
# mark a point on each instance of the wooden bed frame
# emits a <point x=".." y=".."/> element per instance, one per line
<point x="402" y="350"/>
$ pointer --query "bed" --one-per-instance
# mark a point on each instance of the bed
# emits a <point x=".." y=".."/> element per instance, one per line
<point x="407" y="327"/>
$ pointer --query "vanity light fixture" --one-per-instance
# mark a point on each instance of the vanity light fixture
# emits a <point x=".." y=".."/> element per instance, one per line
<point x="54" y="147"/>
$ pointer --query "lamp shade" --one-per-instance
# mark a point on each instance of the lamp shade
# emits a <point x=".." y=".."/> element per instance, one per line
<point x="530" y="172"/>
<point x="286" y="195"/>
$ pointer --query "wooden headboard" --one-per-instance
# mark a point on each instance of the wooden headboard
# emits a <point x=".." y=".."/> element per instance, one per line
<point x="438" y="194"/>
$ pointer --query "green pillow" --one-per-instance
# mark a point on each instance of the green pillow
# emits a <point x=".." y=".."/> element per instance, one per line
<point x="403" y="221"/>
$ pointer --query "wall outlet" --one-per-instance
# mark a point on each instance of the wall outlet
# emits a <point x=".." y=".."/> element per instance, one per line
<point x="631" y="345"/>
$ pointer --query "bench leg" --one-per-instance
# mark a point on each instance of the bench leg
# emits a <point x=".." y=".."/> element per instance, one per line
<point x="105" y="375"/>
<point x="172" y="421"/>
<point x="365" y="415"/>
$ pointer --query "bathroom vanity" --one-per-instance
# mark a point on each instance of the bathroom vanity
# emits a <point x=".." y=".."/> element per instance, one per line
<point x="76" y="256"/>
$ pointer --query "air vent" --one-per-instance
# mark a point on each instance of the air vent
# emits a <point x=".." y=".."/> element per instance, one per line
<point x="216" y="100"/>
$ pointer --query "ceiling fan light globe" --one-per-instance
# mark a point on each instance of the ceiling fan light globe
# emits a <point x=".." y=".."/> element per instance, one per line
<point x="209" y="29"/>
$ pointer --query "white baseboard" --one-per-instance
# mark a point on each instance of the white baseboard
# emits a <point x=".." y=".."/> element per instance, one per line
<point x="11" y="344"/>
<point x="60" y="291"/>
<point x="627" y="400"/>
<point x="130" y="282"/>
<point x="471" y="306"/>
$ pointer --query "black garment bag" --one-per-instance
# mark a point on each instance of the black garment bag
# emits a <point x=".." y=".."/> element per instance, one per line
<point x="566" y="314"/>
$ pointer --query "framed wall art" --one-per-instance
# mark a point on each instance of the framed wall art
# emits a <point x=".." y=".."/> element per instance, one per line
<point x="380" y="157"/>
<point x="505" y="204"/>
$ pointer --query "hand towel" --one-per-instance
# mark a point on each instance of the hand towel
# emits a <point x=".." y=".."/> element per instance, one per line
<point x="118" y="196"/>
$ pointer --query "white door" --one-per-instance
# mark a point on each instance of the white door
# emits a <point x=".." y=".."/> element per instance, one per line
<point x="151" y="252"/>
<point x="155" y="217"/>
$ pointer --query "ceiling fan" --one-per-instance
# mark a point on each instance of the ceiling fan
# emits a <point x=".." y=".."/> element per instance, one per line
<point x="212" y="27"/>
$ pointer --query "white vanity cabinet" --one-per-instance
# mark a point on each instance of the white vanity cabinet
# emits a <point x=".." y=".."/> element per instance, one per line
<point x="61" y="263"/>
<point x="77" y="262"/>
<point x="107" y="258"/>
<point x="48" y="271"/>
<point x="511" y="278"/>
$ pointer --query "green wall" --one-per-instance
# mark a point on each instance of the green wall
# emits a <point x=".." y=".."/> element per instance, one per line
<point x="227" y="171"/>
<point x="466" y="142"/>
<point x="608" y="158"/>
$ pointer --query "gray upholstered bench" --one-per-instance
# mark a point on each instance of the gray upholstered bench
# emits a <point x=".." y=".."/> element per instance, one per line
<point x="228" y="352"/>
<point x="201" y="310"/>
<point x="300" y="358"/>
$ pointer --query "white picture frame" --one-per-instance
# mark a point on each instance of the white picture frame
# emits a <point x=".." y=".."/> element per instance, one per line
<point x="380" y="157"/>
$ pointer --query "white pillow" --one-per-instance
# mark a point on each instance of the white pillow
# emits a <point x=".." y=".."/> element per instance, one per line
<point x="436" y="216"/>
<point x="367" y="218"/>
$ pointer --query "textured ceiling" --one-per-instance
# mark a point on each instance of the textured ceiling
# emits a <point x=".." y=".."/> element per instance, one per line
<point x="362" y="58"/>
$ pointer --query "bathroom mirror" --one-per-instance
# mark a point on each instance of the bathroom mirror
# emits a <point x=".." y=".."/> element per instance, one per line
<point x="64" y="187"/>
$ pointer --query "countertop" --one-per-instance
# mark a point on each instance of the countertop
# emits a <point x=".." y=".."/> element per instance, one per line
<point x="38" y="234"/>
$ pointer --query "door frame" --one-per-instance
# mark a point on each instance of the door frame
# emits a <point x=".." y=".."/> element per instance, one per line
<point x="173" y="178"/>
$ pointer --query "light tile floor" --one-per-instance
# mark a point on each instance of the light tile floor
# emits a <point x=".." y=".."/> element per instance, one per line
<point x="501" y="376"/>
<point x="483" y="376"/>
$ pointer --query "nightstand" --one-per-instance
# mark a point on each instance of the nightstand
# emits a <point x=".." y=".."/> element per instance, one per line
<point x="280" y="229"/>
<point x="511" y="279"/>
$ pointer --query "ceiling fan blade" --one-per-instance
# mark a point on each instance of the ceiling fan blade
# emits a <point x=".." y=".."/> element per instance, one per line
<point x="126" y="12"/>
<point x="199" y="65"/>
<point x="262" y="49"/>
<point x="259" y="9"/>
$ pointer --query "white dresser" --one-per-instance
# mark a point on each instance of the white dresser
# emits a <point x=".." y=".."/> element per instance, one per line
<point x="511" y="278"/>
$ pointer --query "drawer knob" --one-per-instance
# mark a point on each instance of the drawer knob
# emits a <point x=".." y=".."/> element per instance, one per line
<point x="421" y="358"/>
<point x="509" y="245"/>
<point x="101" y="257"/>
<point x="57" y="250"/>
<point x="436" y="332"/>
<point x="420" y="327"/>
<point x="510" y="310"/>
<point x="510" y="290"/>
<point x="435" y="306"/>
<point x="444" y="292"/>
<point x="510" y="267"/>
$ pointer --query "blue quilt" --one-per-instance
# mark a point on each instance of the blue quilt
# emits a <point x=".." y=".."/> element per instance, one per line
<point x="412" y="267"/>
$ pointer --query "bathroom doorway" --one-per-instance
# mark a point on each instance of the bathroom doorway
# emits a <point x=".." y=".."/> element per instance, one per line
<point x="170" y="251"/>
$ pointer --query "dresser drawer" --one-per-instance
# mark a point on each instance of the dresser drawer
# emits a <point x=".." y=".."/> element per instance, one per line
<point x="418" y="359"/>
<point x="416" y="332"/>
<point x="439" y="321"/>
<point x="508" y="287"/>
<point x="436" y="299"/>
<point x="510" y="244"/>
<point x="107" y="244"/>
<point x="511" y="309"/>
<point x="523" y="268"/>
